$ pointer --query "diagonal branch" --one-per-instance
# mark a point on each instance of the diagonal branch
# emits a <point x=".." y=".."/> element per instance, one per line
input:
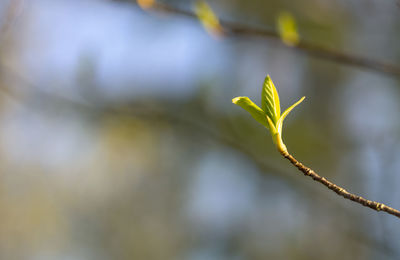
<point x="339" y="190"/>
<point x="314" y="50"/>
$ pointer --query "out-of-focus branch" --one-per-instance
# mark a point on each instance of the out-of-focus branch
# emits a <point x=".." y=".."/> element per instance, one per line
<point x="184" y="123"/>
<point x="53" y="101"/>
<point x="236" y="29"/>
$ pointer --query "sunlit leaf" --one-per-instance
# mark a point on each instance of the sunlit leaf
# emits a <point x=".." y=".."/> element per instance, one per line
<point x="284" y="114"/>
<point x="270" y="114"/>
<point x="208" y="18"/>
<point x="288" y="29"/>
<point x="253" y="109"/>
<point x="270" y="100"/>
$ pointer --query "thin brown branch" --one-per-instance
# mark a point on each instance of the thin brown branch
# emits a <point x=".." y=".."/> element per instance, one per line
<point x="339" y="190"/>
<point x="231" y="28"/>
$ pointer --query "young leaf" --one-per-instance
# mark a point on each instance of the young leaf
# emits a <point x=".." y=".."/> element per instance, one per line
<point x="270" y="100"/>
<point x="284" y="114"/>
<point x="208" y="18"/>
<point x="270" y="114"/>
<point x="253" y="109"/>
<point x="288" y="29"/>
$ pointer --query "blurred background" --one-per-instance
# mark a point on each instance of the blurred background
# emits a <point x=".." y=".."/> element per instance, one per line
<point x="118" y="138"/>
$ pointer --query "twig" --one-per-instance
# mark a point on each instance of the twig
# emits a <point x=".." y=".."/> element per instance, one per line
<point x="303" y="46"/>
<point x="339" y="190"/>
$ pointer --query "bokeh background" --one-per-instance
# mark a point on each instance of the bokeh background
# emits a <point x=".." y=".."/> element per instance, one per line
<point x="118" y="138"/>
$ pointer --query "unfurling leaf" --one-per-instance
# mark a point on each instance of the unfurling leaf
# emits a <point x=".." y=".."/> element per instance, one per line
<point x="270" y="100"/>
<point x="253" y="109"/>
<point x="288" y="29"/>
<point x="287" y="111"/>
<point x="269" y="115"/>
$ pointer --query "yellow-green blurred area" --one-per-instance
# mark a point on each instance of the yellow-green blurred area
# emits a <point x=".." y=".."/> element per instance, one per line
<point x="118" y="138"/>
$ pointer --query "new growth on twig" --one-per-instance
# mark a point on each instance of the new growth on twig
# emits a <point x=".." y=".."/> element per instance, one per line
<point x="205" y="14"/>
<point x="269" y="115"/>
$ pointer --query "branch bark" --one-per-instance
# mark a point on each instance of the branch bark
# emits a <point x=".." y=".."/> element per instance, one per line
<point x="339" y="190"/>
<point x="231" y="28"/>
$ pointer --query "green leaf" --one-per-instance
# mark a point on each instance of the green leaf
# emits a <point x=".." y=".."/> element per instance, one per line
<point x="270" y="114"/>
<point x="270" y="100"/>
<point x="284" y="114"/>
<point x="288" y="29"/>
<point x="271" y="125"/>
<point x="253" y="109"/>
<point x="208" y="18"/>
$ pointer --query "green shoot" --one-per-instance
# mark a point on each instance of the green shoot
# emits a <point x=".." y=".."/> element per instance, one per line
<point x="269" y="115"/>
